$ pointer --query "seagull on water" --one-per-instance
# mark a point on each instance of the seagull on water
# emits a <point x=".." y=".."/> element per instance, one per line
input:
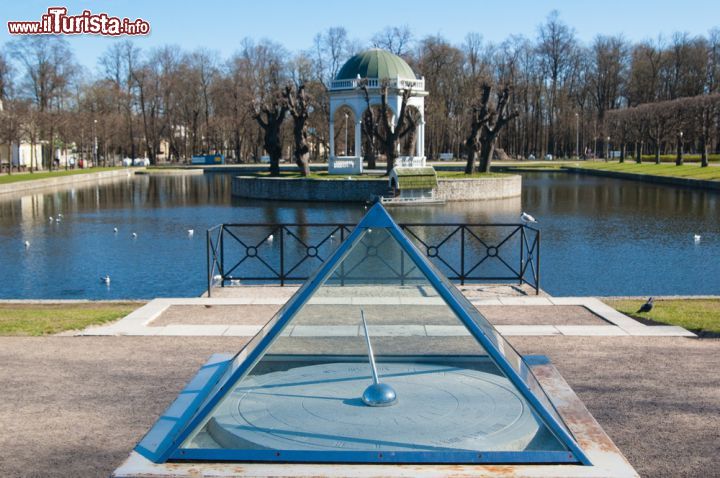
<point x="697" y="237"/>
<point x="115" y="230"/>
<point x="134" y="235"/>
<point x="60" y="216"/>
<point x="105" y="280"/>
<point x="191" y="232"/>
<point x="57" y="219"/>
<point x="646" y="307"/>
<point x="50" y="219"/>
<point x="270" y="238"/>
<point x="525" y="217"/>
<point x="27" y="244"/>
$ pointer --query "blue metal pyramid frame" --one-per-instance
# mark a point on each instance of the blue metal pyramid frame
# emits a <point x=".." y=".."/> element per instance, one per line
<point x="217" y="378"/>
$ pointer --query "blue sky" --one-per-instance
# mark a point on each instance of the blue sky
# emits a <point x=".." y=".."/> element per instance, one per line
<point x="220" y="25"/>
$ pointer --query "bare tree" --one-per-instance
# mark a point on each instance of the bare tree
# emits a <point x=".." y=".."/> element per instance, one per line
<point x="298" y="106"/>
<point x="48" y="66"/>
<point x="443" y="66"/>
<point x="644" y="82"/>
<point x="382" y="127"/>
<point x="5" y="77"/>
<point x="608" y="68"/>
<point x="684" y="69"/>
<point x="473" y="53"/>
<point x="485" y="124"/>
<point x="12" y="121"/>
<point x="270" y="115"/>
<point x="330" y="50"/>
<point x="397" y="40"/>
<point x="556" y="47"/>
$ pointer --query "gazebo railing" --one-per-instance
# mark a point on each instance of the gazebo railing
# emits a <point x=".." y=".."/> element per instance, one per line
<point x="351" y="84"/>
<point x="290" y="253"/>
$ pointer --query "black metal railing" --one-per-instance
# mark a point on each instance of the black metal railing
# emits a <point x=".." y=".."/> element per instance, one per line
<point x="289" y="253"/>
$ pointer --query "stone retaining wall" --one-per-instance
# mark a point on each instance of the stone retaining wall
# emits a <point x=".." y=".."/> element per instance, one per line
<point x="479" y="189"/>
<point x="354" y="190"/>
<point x="649" y="178"/>
<point x="298" y="189"/>
<point x="25" y="186"/>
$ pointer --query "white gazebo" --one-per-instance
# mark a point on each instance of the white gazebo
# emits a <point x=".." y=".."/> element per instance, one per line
<point x="373" y="67"/>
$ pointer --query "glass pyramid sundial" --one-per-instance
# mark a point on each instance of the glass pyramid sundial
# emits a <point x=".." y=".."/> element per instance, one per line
<point x="376" y="358"/>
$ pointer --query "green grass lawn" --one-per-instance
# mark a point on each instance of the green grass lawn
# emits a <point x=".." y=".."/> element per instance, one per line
<point x="691" y="170"/>
<point x="17" y="177"/>
<point x="701" y="316"/>
<point x="316" y="175"/>
<point x="46" y="319"/>
<point x="324" y="175"/>
<point x="462" y="175"/>
<point x="671" y="157"/>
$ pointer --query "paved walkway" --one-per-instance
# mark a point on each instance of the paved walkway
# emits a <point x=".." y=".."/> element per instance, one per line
<point x="76" y="406"/>
<point x="242" y="312"/>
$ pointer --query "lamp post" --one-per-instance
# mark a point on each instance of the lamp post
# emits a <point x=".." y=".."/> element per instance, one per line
<point x="607" y="148"/>
<point x="577" y="135"/>
<point x="346" y="144"/>
<point x="95" y="144"/>
<point x="679" y="160"/>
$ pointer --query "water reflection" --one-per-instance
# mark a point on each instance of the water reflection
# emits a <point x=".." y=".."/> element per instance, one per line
<point x="600" y="236"/>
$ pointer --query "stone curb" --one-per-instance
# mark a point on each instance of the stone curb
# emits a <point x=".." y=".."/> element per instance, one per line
<point x="25" y="186"/>
<point x="649" y="178"/>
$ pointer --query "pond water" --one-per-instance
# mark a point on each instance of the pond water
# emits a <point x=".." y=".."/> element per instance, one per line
<point x="600" y="236"/>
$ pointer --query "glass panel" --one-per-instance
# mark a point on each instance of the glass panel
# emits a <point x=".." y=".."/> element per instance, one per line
<point x="437" y="389"/>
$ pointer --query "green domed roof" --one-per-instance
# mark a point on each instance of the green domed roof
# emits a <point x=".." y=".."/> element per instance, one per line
<point x="375" y="63"/>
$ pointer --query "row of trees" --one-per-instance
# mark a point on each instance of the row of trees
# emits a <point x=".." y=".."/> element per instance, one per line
<point x="666" y="127"/>
<point x="168" y="104"/>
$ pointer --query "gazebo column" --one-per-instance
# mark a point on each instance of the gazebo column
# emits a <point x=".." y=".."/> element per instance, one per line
<point x="419" y="139"/>
<point x="358" y="138"/>
<point x="332" y="140"/>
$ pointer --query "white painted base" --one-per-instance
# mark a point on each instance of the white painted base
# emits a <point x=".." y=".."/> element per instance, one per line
<point x="345" y="165"/>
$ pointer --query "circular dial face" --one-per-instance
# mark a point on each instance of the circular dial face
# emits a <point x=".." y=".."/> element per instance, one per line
<point x="318" y="407"/>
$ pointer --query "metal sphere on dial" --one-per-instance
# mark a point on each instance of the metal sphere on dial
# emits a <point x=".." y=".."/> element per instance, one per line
<point x="379" y="395"/>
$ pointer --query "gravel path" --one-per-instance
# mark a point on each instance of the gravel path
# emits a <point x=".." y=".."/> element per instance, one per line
<point x="76" y="406"/>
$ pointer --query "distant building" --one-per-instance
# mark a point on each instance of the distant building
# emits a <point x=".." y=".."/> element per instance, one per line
<point x="20" y="155"/>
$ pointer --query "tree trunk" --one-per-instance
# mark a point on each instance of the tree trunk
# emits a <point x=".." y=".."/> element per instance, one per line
<point x="303" y="163"/>
<point x="301" y="152"/>
<point x="390" y="154"/>
<point x="238" y="145"/>
<point x="273" y="146"/>
<point x="370" y="153"/>
<point x="638" y="153"/>
<point x="680" y="146"/>
<point x="470" y="165"/>
<point x="486" y="151"/>
<point x="703" y="143"/>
